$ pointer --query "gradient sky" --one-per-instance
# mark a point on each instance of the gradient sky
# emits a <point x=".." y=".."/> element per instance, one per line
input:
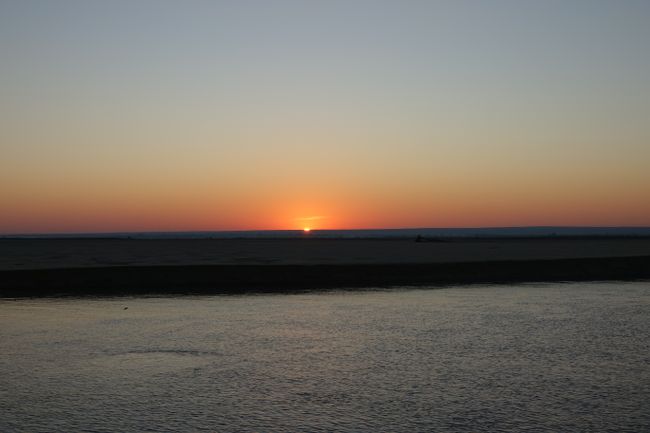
<point x="208" y="115"/>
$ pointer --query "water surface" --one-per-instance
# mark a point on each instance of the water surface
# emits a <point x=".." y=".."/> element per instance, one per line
<point x="547" y="357"/>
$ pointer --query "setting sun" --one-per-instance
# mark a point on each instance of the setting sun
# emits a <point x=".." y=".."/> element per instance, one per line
<point x="306" y="229"/>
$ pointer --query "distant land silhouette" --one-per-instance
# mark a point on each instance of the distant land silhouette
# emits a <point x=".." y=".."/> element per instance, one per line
<point x="537" y="231"/>
<point x="205" y="263"/>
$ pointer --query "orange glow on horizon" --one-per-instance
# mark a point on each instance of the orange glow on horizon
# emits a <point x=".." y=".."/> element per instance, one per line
<point x="92" y="214"/>
<point x="176" y="206"/>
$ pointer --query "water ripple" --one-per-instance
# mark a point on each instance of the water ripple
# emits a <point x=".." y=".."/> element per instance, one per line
<point x="499" y="358"/>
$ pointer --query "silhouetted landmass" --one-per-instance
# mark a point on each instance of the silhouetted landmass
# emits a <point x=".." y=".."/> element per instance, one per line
<point x="99" y="267"/>
<point x="235" y="279"/>
<point x="75" y="253"/>
<point x="466" y="232"/>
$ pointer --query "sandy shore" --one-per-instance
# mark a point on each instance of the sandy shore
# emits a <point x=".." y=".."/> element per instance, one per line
<point x="109" y="266"/>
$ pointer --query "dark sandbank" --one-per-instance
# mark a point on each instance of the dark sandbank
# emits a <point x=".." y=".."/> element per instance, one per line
<point x="104" y="267"/>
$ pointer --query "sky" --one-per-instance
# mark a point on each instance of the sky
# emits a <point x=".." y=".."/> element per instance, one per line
<point x="155" y="115"/>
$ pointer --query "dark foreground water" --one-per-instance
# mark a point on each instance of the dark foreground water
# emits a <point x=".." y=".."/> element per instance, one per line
<point x="560" y="357"/>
